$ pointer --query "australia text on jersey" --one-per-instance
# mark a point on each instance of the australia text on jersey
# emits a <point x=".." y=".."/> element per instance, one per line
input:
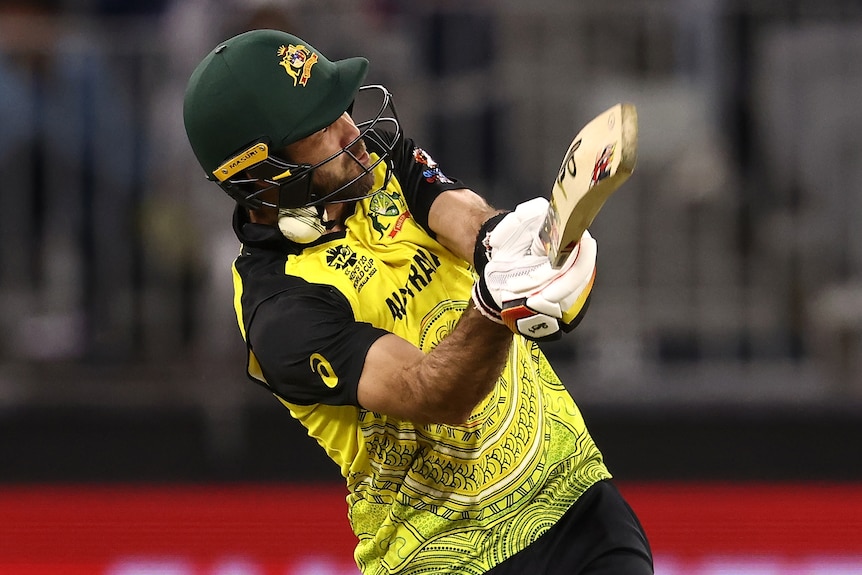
<point x="424" y="265"/>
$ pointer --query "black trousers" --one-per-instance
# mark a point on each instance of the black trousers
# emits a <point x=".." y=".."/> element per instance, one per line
<point x="599" y="535"/>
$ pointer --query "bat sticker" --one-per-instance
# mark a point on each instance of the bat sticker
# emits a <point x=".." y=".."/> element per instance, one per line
<point x="602" y="169"/>
<point x="569" y="166"/>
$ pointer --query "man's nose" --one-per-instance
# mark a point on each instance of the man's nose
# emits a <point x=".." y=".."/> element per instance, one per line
<point x="348" y="129"/>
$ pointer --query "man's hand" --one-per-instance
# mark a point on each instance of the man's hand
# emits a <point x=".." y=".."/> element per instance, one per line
<point x="541" y="311"/>
<point x="517" y="285"/>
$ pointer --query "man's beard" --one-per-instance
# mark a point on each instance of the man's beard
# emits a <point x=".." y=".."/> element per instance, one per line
<point x="359" y="189"/>
<point x="322" y="186"/>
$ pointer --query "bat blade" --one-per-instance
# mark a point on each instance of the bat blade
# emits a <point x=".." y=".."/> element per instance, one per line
<point x="599" y="160"/>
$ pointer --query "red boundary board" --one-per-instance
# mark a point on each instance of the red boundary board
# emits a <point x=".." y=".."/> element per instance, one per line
<point x="84" y="528"/>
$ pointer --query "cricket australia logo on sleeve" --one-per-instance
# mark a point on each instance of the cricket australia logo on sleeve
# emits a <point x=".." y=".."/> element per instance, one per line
<point x="358" y="268"/>
<point x="297" y="62"/>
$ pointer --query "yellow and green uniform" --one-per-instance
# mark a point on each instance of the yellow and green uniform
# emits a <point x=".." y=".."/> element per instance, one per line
<point x="422" y="498"/>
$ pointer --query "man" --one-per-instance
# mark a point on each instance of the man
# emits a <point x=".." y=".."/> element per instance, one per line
<point x="376" y="297"/>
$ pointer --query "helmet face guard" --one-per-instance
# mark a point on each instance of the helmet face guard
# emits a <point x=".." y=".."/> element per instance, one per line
<point x="255" y="170"/>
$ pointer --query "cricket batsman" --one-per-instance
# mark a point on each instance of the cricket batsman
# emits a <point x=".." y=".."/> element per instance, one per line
<point x="371" y="289"/>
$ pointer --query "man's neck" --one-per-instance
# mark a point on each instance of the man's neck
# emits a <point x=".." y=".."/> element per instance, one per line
<point x="338" y="213"/>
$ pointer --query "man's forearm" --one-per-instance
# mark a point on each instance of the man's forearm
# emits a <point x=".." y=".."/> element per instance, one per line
<point x="463" y="369"/>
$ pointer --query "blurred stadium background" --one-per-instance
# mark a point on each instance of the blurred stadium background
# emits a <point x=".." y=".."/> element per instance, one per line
<point x="719" y="368"/>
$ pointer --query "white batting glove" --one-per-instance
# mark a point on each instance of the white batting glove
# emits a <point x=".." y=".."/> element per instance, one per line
<point x="506" y="237"/>
<point x="549" y="302"/>
<point x="517" y="285"/>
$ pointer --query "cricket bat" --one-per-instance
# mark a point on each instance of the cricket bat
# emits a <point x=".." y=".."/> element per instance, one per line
<point x="599" y="160"/>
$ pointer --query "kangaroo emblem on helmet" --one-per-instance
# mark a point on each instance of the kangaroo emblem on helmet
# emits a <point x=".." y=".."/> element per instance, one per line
<point x="297" y="61"/>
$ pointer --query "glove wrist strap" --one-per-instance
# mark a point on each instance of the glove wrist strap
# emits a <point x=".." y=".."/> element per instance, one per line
<point x="481" y="299"/>
<point x="481" y="253"/>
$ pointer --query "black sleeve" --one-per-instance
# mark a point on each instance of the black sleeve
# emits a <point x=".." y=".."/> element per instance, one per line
<point x="309" y="346"/>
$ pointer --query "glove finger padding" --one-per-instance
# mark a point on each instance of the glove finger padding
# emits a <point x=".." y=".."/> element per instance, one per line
<point x="517" y="285"/>
<point x="511" y="235"/>
<point x="542" y="303"/>
<point x="506" y="239"/>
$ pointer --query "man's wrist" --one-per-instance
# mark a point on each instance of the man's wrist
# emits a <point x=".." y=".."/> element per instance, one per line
<point x="484" y="303"/>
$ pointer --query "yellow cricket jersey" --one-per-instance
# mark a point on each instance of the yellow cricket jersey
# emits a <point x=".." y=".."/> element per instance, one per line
<point x="422" y="499"/>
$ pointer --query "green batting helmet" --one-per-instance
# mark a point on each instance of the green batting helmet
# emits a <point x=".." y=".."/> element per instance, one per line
<point x="263" y="86"/>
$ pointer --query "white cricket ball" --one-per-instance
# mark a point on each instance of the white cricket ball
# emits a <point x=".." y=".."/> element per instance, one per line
<point x="300" y="225"/>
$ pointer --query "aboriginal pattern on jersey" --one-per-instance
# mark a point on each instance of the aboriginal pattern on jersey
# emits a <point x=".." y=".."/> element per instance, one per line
<point x="442" y="498"/>
<point x="460" y="499"/>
